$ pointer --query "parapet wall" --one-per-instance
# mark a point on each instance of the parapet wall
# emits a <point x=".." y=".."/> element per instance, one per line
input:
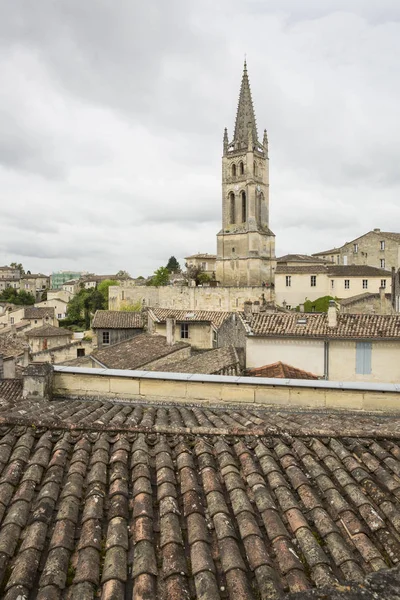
<point x="176" y="387"/>
<point x="187" y="298"/>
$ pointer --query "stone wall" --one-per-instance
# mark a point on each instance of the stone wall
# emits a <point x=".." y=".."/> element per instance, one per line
<point x="188" y="298"/>
<point x="213" y="388"/>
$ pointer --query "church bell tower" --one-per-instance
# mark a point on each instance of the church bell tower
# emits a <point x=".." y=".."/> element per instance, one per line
<point x="245" y="244"/>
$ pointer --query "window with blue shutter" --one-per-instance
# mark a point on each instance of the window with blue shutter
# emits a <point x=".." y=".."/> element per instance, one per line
<point x="363" y="358"/>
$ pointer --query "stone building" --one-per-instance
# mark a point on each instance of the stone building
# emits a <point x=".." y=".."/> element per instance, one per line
<point x="203" y="261"/>
<point x="113" y="326"/>
<point x="245" y="244"/>
<point x="296" y="284"/>
<point x="376" y="248"/>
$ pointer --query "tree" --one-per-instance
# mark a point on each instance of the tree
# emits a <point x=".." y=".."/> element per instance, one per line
<point x="173" y="266"/>
<point x="160" y="277"/>
<point x="131" y="306"/>
<point x="203" y="278"/>
<point x="18" y="266"/>
<point x="318" y="305"/>
<point x="122" y="273"/>
<point x="21" y="298"/>
<point x="102" y="288"/>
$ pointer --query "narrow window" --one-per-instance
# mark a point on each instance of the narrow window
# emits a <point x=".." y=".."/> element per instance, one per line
<point x="255" y="169"/>
<point x="12" y="320"/>
<point x="332" y="284"/>
<point x="106" y="337"/>
<point x="288" y="280"/>
<point x="244" y="207"/>
<point x="355" y="248"/>
<point x="215" y="339"/>
<point x="232" y="207"/>
<point x="184" y="331"/>
<point x="347" y="284"/>
<point x="382" y="263"/>
<point x="338" y="259"/>
<point x="365" y="284"/>
<point x="383" y="283"/>
<point x="241" y="168"/>
<point x="233" y="250"/>
<point x="363" y="358"/>
<point x="313" y="280"/>
<point x="233" y="170"/>
<point x="382" y="244"/>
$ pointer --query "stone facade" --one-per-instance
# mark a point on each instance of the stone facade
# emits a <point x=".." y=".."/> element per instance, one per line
<point x="245" y="244"/>
<point x="296" y="284"/>
<point x="376" y="248"/>
<point x="188" y="298"/>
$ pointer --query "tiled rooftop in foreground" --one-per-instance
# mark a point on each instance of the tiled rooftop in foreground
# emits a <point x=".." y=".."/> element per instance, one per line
<point x="125" y="500"/>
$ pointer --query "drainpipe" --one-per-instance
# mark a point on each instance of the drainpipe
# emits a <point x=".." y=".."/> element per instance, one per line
<point x="326" y="359"/>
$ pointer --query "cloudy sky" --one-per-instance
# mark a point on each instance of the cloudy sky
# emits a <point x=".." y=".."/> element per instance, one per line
<point x="112" y="115"/>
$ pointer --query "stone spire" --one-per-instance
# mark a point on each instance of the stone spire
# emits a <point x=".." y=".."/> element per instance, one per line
<point x="245" y="118"/>
<point x="225" y="140"/>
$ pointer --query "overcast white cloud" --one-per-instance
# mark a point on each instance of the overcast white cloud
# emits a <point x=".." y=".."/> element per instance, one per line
<point x="112" y="115"/>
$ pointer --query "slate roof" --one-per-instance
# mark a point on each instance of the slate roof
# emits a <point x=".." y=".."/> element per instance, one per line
<point x="300" y="269"/>
<point x="299" y="258"/>
<point x="10" y="345"/>
<point x="207" y="503"/>
<point x="282" y="371"/>
<point x="117" y="319"/>
<point x="216" y="318"/>
<point x="316" y="325"/>
<point x="49" y="331"/>
<point x="136" y="352"/>
<point x="333" y="270"/>
<point x="356" y="271"/>
<point x="358" y="297"/>
<point x="38" y="312"/>
<point x="212" y="362"/>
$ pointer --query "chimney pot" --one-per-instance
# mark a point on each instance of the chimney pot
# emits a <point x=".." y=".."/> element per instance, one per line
<point x="170" y="331"/>
<point x="332" y="314"/>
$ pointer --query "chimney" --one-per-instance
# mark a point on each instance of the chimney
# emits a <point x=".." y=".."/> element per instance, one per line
<point x="38" y="381"/>
<point x="170" y="331"/>
<point x="332" y="314"/>
<point x="9" y="368"/>
<point x="247" y="308"/>
<point x="382" y="298"/>
<point x="25" y="360"/>
<point x="301" y="308"/>
<point x="256" y="307"/>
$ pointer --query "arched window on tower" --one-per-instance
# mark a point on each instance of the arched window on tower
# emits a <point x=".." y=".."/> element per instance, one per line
<point x="233" y="170"/>
<point x="244" y="206"/>
<point x="241" y="168"/>
<point x="231" y="207"/>
<point x="255" y="170"/>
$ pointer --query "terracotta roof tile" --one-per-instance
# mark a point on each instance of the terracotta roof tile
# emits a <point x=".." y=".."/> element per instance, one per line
<point x="136" y="352"/>
<point x="216" y="318"/>
<point x="222" y="361"/>
<point x="126" y="499"/>
<point x="360" y="326"/>
<point x="48" y="331"/>
<point x="117" y="319"/>
<point x="37" y="312"/>
<point x="280" y="370"/>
